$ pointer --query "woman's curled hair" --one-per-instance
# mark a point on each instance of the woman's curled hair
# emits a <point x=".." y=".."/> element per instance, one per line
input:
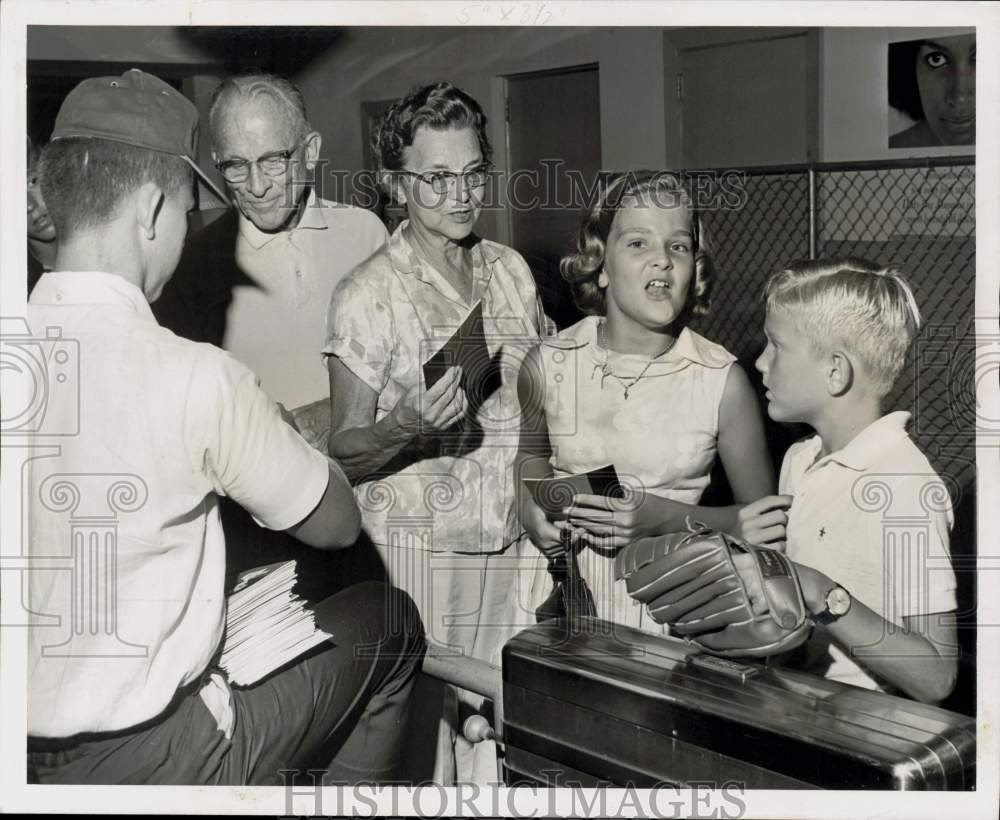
<point x="439" y="106"/>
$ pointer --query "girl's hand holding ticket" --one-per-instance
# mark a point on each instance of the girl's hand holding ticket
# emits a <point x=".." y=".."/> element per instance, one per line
<point x="617" y="521"/>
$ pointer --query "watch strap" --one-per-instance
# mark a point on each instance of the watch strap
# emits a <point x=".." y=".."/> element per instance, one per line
<point x="827" y="617"/>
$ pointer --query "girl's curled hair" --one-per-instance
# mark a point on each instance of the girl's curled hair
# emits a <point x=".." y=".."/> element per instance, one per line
<point x="664" y="189"/>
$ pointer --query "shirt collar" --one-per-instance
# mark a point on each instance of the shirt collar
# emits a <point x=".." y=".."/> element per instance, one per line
<point x="689" y="348"/>
<point x="699" y="350"/>
<point x="403" y="257"/>
<point x="489" y="251"/>
<point x="867" y="446"/>
<point x="311" y="219"/>
<point x="405" y="260"/>
<point x="64" y="288"/>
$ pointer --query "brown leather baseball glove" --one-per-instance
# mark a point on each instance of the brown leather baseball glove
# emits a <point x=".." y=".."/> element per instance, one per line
<point x="727" y="605"/>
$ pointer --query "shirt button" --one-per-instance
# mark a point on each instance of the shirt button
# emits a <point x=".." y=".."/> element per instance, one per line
<point x="59" y="297"/>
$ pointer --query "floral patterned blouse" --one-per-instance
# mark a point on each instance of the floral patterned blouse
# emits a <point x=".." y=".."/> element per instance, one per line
<point x="453" y="491"/>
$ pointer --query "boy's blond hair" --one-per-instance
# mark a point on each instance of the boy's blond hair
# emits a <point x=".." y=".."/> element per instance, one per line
<point x="852" y="304"/>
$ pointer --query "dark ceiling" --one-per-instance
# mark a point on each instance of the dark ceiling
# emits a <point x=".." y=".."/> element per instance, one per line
<point x="275" y="49"/>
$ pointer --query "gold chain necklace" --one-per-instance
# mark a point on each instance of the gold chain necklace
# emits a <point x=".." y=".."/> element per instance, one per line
<point x="605" y="366"/>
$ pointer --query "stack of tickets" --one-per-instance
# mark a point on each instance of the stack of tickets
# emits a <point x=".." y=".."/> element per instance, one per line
<point x="266" y="625"/>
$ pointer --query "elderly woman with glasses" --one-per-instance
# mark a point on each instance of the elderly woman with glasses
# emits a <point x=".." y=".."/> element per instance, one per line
<point x="432" y="459"/>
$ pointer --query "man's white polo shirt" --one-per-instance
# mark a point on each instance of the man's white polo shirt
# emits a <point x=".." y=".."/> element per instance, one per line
<point x="165" y="425"/>
<point x="276" y="323"/>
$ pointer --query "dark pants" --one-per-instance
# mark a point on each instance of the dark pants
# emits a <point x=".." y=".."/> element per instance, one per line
<point x="344" y="707"/>
<point x="319" y="573"/>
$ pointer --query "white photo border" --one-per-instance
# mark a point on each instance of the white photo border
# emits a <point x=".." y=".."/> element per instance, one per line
<point x="15" y="795"/>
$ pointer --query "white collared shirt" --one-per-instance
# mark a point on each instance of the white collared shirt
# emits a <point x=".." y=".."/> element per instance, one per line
<point x="130" y="502"/>
<point x="276" y="324"/>
<point x="875" y="517"/>
<point x="663" y="438"/>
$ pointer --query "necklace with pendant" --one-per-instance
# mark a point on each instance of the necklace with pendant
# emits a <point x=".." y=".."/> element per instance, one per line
<point x="606" y="369"/>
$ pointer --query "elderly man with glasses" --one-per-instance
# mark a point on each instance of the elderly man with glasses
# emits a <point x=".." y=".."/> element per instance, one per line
<point x="258" y="280"/>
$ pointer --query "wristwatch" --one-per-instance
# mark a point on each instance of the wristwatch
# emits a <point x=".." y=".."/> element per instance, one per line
<point x="838" y="604"/>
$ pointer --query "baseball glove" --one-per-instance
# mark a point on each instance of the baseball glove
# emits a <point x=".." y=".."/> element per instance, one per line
<point x="690" y="581"/>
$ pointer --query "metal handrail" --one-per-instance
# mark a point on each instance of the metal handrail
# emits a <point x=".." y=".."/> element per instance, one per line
<point x="475" y="675"/>
<point x="468" y="673"/>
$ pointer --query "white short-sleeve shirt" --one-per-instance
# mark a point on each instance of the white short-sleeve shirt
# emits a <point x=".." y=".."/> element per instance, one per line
<point x="875" y="517"/>
<point x="276" y="323"/>
<point x="164" y="426"/>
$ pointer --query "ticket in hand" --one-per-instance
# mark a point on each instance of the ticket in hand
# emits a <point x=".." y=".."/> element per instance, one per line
<point x="467" y="349"/>
<point x="554" y="495"/>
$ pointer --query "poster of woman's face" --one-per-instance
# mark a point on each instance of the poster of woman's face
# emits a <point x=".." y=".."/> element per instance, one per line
<point x="932" y="92"/>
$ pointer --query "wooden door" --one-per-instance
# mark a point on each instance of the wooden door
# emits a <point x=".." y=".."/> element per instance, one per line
<point x="746" y="103"/>
<point x="554" y="157"/>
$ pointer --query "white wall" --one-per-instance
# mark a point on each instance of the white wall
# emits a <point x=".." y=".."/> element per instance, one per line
<point x="379" y="64"/>
<point x="633" y="93"/>
<point x="854" y="97"/>
<point x="640" y="117"/>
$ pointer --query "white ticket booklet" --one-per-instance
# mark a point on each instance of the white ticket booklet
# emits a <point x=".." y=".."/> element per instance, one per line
<point x="267" y="625"/>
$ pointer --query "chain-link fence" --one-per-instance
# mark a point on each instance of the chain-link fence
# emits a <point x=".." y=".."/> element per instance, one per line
<point x="918" y="216"/>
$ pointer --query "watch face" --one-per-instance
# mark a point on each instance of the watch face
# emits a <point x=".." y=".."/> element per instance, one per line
<point x="838" y="601"/>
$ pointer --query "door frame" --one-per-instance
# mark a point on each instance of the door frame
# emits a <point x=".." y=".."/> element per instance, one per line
<point x="680" y="42"/>
<point x="501" y="96"/>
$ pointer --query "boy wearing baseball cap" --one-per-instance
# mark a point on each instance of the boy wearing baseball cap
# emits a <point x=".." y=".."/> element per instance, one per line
<point x="121" y="683"/>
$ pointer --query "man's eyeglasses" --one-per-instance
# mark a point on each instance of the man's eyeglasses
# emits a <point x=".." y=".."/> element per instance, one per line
<point x="274" y="165"/>
<point x="441" y="181"/>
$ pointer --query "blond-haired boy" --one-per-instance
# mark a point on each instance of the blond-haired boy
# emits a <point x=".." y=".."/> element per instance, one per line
<point x="870" y="518"/>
